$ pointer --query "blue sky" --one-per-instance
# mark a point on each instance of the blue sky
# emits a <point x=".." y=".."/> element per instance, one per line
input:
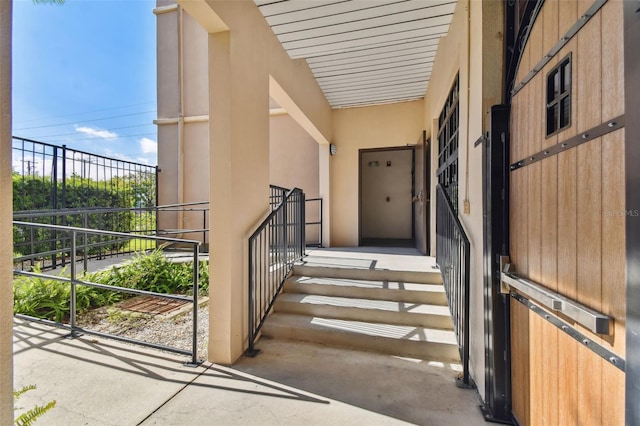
<point x="84" y="75"/>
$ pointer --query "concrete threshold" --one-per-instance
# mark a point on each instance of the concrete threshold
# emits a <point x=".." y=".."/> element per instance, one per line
<point x="103" y="382"/>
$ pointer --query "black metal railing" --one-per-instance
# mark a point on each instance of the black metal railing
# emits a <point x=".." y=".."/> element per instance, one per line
<point x="51" y="177"/>
<point x="313" y="221"/>
<point x="276" y="244"/>
<point x="453" y="255"/>
<point x="50" y="248"/>
<point x="77" y="238"/>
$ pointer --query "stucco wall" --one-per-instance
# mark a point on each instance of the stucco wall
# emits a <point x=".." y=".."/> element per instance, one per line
<point x="293" y="162"/>
<point x="477" y="59"/>
<point x="184" y="175"/>
<point x="246" y="66"/>
<point x="381" y="126"/>
<point x="293" y="156"/>
<point x="182" y="147"/>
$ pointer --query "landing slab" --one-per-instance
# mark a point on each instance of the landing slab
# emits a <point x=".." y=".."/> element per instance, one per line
<point x="373" y="258"/>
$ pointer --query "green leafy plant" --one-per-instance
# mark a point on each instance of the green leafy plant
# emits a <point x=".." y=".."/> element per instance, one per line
<point x="49" y="298"/>
<point x="30" y="416"/>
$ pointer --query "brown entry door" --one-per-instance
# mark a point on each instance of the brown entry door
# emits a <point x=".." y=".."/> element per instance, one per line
<point x="386" y="209"/>
<point x="567" y="224"/>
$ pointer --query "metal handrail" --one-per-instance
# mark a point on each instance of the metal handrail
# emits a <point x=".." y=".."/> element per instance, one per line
<point x="274" y="246"/>
<point x="595" y="321"/>
<point x="73" y="281"/>
<point x="453" y="255"/>
<point x="316" y="223"/>
<point x="53" y="247"/>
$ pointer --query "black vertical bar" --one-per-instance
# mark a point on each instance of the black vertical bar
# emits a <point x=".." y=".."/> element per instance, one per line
<point x="303" y="219"/>
<point x="251" y="297"/>
<point x="64" y="178"/>
<point x="632" y="154"/>
<point x="495" y="188"/>
<point x="73" y="285"/>
<point x="54" y="201"/>
<point x="63" y="259"/>
<point x="194" y="342"/>
<point x="85" y="240"/>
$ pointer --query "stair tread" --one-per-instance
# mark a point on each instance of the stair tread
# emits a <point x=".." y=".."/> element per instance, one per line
<point x="388" y="331"/>
<point x="363" y="303"/>
<point x="372" y="284"/>
<point x="367" y="271"/>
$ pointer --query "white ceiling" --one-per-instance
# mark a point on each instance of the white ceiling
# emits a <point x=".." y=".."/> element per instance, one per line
<point x="363" y="52"/>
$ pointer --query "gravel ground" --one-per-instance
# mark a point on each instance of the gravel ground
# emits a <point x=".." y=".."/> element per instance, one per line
<point x="159" y="329"/>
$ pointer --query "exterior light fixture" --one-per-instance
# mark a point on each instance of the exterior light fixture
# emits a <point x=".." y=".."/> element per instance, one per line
<point x="332" y="149"/>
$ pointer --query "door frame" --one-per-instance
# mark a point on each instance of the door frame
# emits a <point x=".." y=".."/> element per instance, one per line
<point x="413" y="173"/>
<point x="497" y="318"/>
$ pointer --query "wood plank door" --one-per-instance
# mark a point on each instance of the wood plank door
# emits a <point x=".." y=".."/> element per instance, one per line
<point x="567" y="215"/>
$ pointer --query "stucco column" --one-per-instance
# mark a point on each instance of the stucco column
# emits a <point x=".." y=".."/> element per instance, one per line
<point x="6" y="238"/>
<point x="239" y="179"/>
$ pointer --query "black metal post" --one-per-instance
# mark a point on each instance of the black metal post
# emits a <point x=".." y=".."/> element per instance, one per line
<point x="54" y="198"/>
<point x="251" y="352"/>
<point x="72" y="302"/>
<point x="194" y="338"/>
<point x="321" y="212"/>
<point x="495" y="187"/>
<point x="85" y="241"/>
<point x="303" y="216"/>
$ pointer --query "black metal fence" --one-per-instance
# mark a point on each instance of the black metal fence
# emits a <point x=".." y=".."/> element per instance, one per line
<point x="453" y="255"/>
<point x="50" y="177"/>
<point x="276" y="244"/>
<point x="313" y="222"/>
<point x="79" y="248"/>
<point x="50" y="248"/>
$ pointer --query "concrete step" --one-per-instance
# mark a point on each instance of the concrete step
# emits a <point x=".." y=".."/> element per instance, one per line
<point x="369" y="310"/>
<point x="405" y="341"/>
<point x="345" y="272"/>
<point x="432" y="294"/>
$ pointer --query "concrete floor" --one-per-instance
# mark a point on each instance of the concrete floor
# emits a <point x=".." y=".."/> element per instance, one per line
<point x="102" y="382"/>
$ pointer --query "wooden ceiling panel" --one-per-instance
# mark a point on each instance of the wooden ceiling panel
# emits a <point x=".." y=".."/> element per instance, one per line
<point x="363" y="52"/>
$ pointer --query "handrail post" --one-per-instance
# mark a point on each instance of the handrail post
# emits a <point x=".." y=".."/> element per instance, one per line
<point x="321" y="219"/>
<point x="285" y="225"/>
<point x="85" y="252"/>
<point x="251" y="351"/>
<point x="303" y="219"/>
<point x="72" y="302"/>
<point x="204" y="226"/>
<point x="194" y="337"/>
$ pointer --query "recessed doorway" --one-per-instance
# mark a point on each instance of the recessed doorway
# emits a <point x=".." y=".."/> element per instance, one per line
<point x="386" y="192"/>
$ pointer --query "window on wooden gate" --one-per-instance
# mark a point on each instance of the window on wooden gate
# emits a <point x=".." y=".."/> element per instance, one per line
<point x="448" y="124"/>
<point x="559" y="97"/>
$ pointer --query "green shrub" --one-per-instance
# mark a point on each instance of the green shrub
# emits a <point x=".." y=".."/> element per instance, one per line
<point x="154" y="272"/>
<point x="33" y="192"/>
<point x="50" y="299"/>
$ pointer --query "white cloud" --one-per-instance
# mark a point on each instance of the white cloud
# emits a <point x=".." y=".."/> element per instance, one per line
<point x="96" y="133"/>
<point x="148" y="146"/>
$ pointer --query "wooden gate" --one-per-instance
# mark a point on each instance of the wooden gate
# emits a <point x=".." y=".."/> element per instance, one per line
<point x="567" y="215"/>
